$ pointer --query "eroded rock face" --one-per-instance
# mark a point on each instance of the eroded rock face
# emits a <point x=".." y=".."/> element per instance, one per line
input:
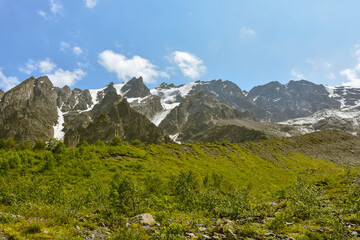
<point x="149" y="106"/>
<point x="1" y="93"/>
<point x="225" y="91"/>
<point x="200" y="111"/>
<point x="135" y="88"/>
<point x="73" y="100"/>
<point x="197" y="118"/>
<point x="293" y="100"/>
<point x="31" y="110"/>
<point x="28" y="111"/>
<point x="112" y="117"/>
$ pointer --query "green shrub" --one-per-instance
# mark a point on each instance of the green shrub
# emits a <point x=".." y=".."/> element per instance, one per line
<point x="116" y="141"/>
<point x="186" y="187"/>
<point x="305" y="200"/>
<point x="136" y="142"/>
<point x="40" y="145"/>
<point x="128" y="196"/>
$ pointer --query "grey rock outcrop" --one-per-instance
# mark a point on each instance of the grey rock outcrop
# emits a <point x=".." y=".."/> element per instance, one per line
<point x="112" y="117"/>
<point x="135" y="88"/>
<point x="28" y="111"/>
<point x="295" y="99"/>
<point x="143" y="219"/>
<point x="148" y="106"/>
<point x="73" y="100"/>
<point x="31" y="110"/>
<point x="202" y="117"/>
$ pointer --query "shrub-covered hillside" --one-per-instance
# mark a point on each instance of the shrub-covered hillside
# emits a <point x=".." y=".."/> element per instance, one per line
<point x="260" y="190"/>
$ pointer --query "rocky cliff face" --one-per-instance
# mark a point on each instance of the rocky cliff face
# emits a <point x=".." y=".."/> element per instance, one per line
<point x="135" y="88"/>
<point x="202" y="111"/>
<point x="225" y="91"/>
<point x="36" y="110"/>
<point x="73" y="100"/>
<point x="197" y="118"/>
<point x="1" y="93"/>
<point x="28" y="111"/>
<point x="112" y="117"/>
<point x="293" y="100"/>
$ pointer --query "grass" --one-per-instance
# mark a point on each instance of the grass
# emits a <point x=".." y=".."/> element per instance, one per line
<point x="265" y="186"/>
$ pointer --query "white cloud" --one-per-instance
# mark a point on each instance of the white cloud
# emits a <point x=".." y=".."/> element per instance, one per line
<point x="64" y="46"/>
<point x="91" y="3"/>
<point x="46" y="66"/>
<point x="58" y="76"/>
<point x="43" y="14"/>
<point x="296" y="75"/>
<point x="62" y="77"/>
<point x="77" y="51"/>
<point x="128" y="68"/>
<point x="244" y="31"/>
<point x="7" y="83"/>
<point x="189" y="64"/>
<point x="353" y="74"/>
<point x="29" y="67"/>
<point x="55" y="7"/>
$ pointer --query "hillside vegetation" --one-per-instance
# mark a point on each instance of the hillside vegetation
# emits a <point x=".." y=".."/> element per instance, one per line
<point x="298" y="187"/>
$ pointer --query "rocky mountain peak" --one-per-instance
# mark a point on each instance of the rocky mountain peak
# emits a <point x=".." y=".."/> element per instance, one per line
<point x="165" y="85"/>
<point x="135" y="88"/>
<point x="27" y="90"/>
<point x="28" y="111"/>
<point x="280" y="102"/>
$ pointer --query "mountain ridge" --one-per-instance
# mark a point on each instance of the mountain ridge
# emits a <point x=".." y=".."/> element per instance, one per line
<point x="276" y="109"/>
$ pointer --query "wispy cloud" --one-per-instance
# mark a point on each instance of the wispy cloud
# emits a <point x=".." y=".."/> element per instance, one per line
<point x="64" y="46"/>
<point x="353" y="74"/>
<point x="77" y="51"/>
<point x="29" y="67"/>
<point x="56" y="8"/>
<point x="58" y="76"/>
<point x="189" y="64"/>
<point x="7" y="83"/>
<point x="62" y="77"/>
<point x="43" y="14"/>
<point x="127" y="68"/>
<point x="43" y="66"/>
<point x="296" y="75"/>
<point x="90" y="3"/>
<point x="244" y="32"/>
<point x="46" y="66"/>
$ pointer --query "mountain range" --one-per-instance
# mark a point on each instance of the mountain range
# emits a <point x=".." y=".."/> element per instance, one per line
<point x="199" y="111"/>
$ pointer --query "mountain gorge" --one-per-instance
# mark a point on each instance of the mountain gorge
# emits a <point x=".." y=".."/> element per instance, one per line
<point x="199" y="111"/>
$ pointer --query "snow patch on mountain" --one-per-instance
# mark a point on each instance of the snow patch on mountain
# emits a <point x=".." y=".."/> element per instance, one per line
<point x="170" y="98"/>
<point x="330" y="90"/>
<point x="118" y="88"/>
<point x="94" y="94"/>
<point x="323" y="114"/>
<point x="58" y="133"/>
<point x="174" y="137"/>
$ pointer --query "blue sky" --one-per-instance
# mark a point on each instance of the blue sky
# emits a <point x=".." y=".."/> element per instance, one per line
<point x="89" y="43"/>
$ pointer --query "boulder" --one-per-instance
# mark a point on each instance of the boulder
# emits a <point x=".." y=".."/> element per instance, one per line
<point x="143" y="219"/>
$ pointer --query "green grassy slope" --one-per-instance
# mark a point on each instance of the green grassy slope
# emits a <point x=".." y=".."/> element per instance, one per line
<point x="97" y="188"/>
